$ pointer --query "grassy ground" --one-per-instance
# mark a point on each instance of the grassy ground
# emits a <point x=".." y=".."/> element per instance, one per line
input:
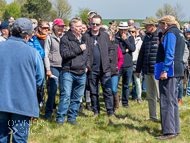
<point x="132" y="127"/>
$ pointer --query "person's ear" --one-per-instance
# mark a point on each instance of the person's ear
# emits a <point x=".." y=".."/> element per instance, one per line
<point x="27" y="37"/>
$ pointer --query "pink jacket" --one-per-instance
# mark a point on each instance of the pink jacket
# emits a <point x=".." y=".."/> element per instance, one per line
<point x="120" y="58"/>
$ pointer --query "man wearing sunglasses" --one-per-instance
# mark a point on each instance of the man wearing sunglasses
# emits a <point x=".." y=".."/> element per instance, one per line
<point x="127" y="43"/>
<point x="101" y="54"/>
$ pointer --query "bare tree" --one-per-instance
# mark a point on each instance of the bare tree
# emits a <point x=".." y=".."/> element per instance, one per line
<point x="63" y="9"/>
<point x="175" y="11"/>
<point x="178" y="13"/>
<point x="166" y="10"/>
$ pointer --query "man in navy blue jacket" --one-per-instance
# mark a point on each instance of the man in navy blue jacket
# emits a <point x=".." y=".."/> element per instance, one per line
<point x="171" y="50"/>
<point x="146" y="60"/>
<point x="127" y="43"/>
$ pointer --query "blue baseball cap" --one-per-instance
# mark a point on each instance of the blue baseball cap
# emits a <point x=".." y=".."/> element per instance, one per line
<point x="25" y="24"/>
<point x="4" y="25"/>
<point x="188" y="30"/>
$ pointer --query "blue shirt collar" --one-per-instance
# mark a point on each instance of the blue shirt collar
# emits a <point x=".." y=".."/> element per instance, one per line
<point x="80" y="37"/>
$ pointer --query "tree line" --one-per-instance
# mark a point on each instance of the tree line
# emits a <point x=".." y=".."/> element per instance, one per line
<point x="52" y="9"/>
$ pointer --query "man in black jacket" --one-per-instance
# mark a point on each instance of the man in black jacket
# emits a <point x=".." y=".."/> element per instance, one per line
<point x="147" y="60"/>
<point x="101" y="55"/>
<point x="127" y="44"/>
<point x="75" y="64"/>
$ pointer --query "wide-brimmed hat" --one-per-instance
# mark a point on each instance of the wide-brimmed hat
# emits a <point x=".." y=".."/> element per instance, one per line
<point x="150" y="21"/>
<point x="123" y="25"/>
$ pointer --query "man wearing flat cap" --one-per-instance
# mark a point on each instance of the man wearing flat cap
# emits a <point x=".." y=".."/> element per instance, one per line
<point x="170" y="52"/>
<point x="147" y="60"/>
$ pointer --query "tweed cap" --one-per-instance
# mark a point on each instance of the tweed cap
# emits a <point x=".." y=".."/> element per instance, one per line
<point x="150" y="21"/>
<point x="167" y="19"/>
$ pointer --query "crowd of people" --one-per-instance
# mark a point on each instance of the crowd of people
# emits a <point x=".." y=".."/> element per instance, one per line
<point x="34" y="54"/>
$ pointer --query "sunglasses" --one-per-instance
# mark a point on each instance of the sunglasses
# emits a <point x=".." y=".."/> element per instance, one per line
<point x="132" y="31"/>
<point x="92" y="13"/>
<point x="97" y="24"/>
<point x="45" y="28"/>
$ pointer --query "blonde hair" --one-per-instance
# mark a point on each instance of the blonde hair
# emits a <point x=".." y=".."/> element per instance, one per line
<point x="131" y="27"/>
<point x="114" y="27"/>
<point x="142" y="31"/>
<point x="110" y="33"/>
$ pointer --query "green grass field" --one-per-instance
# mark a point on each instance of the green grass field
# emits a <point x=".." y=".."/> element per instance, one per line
<point x="106" y="21"/>
<point x="132" y="127"/>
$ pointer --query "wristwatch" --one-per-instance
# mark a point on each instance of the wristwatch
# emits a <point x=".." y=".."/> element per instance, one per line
<point x="165" y="71"/>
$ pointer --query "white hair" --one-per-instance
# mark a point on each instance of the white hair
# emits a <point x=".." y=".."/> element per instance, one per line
<point x="186" y="25"/>
<point x="105" y="27"/>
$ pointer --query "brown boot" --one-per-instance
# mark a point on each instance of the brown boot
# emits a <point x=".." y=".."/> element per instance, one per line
<point x="179" y="101"/>
<point x="116" y="101"/>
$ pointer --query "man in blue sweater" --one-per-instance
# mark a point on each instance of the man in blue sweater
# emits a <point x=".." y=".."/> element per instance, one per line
<point x="171" y="50"/>
<point x="21" y="72"/>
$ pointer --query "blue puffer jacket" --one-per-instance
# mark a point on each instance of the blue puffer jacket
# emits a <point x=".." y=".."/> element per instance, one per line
<point x="147" y="54"/>
<point x="35" y="43"/>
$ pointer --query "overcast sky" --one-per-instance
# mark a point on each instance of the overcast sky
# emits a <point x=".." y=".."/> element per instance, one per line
<point x="125" y="9"/>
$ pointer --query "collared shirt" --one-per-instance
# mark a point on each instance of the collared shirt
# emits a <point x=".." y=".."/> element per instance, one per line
<point x="169" y="43"/>
<point x="3" y="38"/>
<point x="80" y="37"/>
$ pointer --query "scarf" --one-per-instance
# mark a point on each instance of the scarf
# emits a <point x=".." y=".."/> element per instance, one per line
<point x="43" y="37"/>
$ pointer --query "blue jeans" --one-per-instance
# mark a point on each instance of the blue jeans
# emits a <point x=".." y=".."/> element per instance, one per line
<point x="126" y="74"/>
<point x="18" y="124"/>
<point x="105" y="79"/>
<point x="180" y="94"/>
<point x="53" y="85"/>
<point x="72" y="89"/>
<point x="114" y="84"/>
<point x="143" y="81"/>
<point x="188" y="85"/>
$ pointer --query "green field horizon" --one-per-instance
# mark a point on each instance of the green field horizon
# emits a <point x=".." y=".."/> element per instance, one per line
<point x="106" y="21"/>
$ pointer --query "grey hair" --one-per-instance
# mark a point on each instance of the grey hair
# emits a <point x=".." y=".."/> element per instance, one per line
<point x="186" y="25"/>
<point x="110" y="33"/>
<point x="73" y="21"/>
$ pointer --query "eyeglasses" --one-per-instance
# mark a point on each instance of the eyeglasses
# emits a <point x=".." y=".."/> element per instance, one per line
<point x="97" y="24"/>
<point x="132" y="31"/>
<point x="45" y="28"/>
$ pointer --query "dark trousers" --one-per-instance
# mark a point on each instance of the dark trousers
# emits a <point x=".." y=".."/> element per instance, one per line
<point x="105" y="79"/>
<point x="126" y="74"/>
<point x="133" y="92"/>
<point x="169" y="112"/>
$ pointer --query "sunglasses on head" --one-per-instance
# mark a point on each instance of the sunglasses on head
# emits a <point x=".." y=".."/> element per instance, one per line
<point x="132" y="31"/>
<point x="97" y="24"/>
<point x="92" y="13"/>
<point x="45" y="28"/>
